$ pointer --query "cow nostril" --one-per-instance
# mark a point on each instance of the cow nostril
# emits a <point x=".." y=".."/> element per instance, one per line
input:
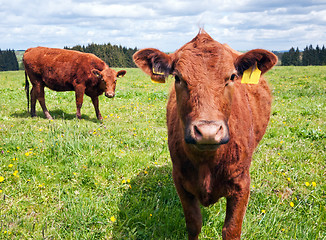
<point x="197" y="132"/>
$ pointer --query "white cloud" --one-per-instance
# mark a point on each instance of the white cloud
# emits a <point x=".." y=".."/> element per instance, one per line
<point x="164" y="24"/>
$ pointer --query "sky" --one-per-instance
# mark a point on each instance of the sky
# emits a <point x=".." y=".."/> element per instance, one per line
<point x="163" y="24"/>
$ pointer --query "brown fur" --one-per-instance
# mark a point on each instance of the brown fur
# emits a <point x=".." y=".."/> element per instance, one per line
<point x="214" y="124"/>
<point x="66" y="70"/>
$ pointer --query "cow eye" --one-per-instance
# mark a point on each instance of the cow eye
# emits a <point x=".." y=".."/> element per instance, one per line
<point x="233" y="76"/>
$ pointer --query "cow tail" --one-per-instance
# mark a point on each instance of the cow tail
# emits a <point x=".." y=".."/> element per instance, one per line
<point x="27" y="90"/>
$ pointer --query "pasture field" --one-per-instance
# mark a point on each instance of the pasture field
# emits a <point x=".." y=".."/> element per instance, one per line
<point x="86" y="179"/>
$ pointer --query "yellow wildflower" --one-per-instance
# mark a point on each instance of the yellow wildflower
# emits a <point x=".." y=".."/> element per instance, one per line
<point x="2" y="179"/>
<point x="291" y="204"/>
<point x="113" y="219"/>
<point x="10" y="165"/>
<point x="313" y="184"/>
<point x="307" y="184"/>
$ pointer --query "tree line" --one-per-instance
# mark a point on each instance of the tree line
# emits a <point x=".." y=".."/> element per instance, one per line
<point x="118" y="56"/>
<point x="113" y="55"/>
<point x="309" y="56"/>
<point x="8" y="60"/>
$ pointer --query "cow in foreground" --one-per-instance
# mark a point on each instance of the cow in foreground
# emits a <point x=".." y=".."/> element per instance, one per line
<point x="214" y="124"/>
<point x="67" y="70"/>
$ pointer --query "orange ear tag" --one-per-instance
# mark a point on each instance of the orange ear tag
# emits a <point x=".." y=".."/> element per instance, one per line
<point x="158" y="80"/>
<point x="251" y="75"/>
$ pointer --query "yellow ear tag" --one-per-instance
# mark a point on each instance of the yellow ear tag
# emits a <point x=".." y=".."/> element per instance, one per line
<point x="251" y="75"/>
<point x="158" y="80"/>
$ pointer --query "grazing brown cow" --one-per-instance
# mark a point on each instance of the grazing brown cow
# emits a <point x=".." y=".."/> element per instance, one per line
<point x="214" y="124"/>
<point x="67" y="70"/>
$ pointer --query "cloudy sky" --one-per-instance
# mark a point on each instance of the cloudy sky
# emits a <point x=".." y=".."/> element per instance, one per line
<point x="163" y="24"/>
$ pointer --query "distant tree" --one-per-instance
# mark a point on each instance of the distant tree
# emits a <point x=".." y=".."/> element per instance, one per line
<point x="113" y="55"/>
<point x="8" y="60"/>
<point x="323" y="56"/>
<point x="305" y="57"/>
<point x="297" y="57"/>
<point x="309" y="56"/>
<point x="292" y="57"/>
<point x="286" y="59"/>
<point x="317" y="53"/>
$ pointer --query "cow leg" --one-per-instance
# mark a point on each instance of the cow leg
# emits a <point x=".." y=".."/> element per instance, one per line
<point x="191" y="210"/>
<point x="33" y="102"/>
<point x="79" y="91"/>
<point x="37" y="92"/>
<point x="235" y="210"/>
<point x="97" y="110"/>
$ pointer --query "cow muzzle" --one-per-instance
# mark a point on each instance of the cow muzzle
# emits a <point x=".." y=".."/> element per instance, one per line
<point x="207" y="135"/>
<point x="110" y="94"/>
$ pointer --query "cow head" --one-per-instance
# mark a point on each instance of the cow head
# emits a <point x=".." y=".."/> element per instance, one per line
<point x="205" y="72"/>
<point x="108" y="80"/>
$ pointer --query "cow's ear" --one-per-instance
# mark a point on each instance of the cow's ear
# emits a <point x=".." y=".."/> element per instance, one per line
<point x="264" y="59"/>
<point x="97" y="73"/>
<point x="156" y="64"/>
<point x="121" y="73"/>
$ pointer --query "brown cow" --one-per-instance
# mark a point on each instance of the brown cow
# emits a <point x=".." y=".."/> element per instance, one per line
<point x="67" y="70"/>
<point x="214" y="124"/>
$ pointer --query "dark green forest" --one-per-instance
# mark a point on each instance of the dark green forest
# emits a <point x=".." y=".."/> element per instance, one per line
<point x="8" y="60"/>
<point x="309" y="56"/>
<point x="113" y="55"/>
<point x="118" y="56"/>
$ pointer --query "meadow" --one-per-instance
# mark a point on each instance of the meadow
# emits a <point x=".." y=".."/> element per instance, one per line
<point x="87" y="179"/>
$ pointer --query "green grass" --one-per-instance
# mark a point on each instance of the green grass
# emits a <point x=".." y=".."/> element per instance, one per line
<point x="70" y="179"/>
